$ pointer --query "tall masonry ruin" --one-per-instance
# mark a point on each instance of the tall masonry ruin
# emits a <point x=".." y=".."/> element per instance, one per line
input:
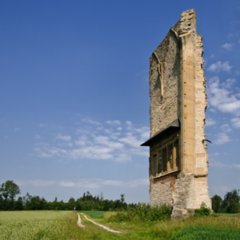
<point x="178" y="151"/>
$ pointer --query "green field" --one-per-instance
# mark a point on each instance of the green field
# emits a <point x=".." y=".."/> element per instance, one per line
<point x="24" y="225"/>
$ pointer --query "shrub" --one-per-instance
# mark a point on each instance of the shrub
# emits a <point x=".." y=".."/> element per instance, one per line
<point x="143" y="212"/>
<point x="202" y="211"/>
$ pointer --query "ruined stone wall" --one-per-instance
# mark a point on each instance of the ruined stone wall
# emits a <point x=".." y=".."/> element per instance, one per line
<point x="162" y="190"/>
<point x="193" y="105"/>
<point x="201" y="167"/>
<point x="177" y="91"/>
<point x="164" y="79"/>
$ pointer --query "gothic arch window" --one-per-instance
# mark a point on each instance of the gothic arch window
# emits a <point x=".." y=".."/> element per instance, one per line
<point x="157" y="76"/>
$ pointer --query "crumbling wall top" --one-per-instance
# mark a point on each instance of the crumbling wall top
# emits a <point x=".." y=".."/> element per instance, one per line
<point x="186" y="24"/>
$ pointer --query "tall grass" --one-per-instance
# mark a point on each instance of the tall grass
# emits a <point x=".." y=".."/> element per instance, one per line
<point x="143" y="212"/>
<point x="207" y="232"/>
<point x="35" y="225"/>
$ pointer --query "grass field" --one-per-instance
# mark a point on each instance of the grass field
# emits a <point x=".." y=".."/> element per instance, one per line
<point x="34" y="225"/>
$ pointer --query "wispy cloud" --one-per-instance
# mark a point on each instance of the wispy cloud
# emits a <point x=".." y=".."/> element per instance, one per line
<point x="220" y="66"/>
<point x="222" y="138"/>
<point x="65" y="138"/>
<point x="229" y="83"/>
<point x="110" y="140"/>
<point x="236" y="122"/>
<point x="210" y="122"/>
<point x="86" y="183"/>
<point x="221" y="97"/>
<point x="218" y="164"/>
<point x="224" y="97"/>
<point x="225" y="128"/>
<point x="227" y="46"/>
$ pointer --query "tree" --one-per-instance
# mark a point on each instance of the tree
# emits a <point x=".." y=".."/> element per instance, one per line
<point x="71" y="204"/>
<point x="122" y="198"/>
<point x="9" y="190"/>
<point x="18" y="204"/>
<point x="216" y="203"/>
<point x="231" y="202"/>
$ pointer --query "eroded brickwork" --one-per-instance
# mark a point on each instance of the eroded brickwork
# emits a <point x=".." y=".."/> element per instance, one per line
<point x="179" y="168"/>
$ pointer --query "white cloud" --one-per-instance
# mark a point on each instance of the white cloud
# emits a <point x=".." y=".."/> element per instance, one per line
<point x="231" y="106"/>
<point x="37" y="183"/>
<point x="220" y="66"/>
<point x="113" y="122"/>
<point x="236" y="122"/>
<point x="229" y="83"/>
<point x="90" y="121"/>
<point x="210" y="122"/>
<point x="65" y="138"/>
<point x="225" y="128"/>
<point x="106" y="141"/>
<point x="222" y="138"/>
<point x="66" y="184"/>
<point x="111" y="140"/>
<point x="86" y="183"/>
<point x="45" y="151"/>
<point x="218" y="164"/>
<point x="221" y="98"/>
<point x="227" y="46"/>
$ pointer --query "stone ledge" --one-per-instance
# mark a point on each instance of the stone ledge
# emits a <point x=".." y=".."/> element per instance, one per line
<point x="162" y="175"/>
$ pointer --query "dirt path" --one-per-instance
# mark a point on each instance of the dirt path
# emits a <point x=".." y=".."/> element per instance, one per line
<point x="97" y="224"/>
<point x="79" y="221"/>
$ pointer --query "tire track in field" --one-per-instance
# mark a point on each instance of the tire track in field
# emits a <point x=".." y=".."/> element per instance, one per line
<point x="79" y="221"/>
<point x="108" y="229"/>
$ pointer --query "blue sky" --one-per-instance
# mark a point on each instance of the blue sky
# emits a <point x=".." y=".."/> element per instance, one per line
<point x="74" y="93"/>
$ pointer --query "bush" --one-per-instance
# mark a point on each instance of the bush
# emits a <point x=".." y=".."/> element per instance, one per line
<point x="143" y="212"/>
<point x="202" y="211"/>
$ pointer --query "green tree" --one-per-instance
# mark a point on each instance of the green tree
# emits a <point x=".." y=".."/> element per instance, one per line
<point x="122" y="198"/>
<point x="71" y="204"/>
<point x="231" y="202"/>
<point x="216" y="203"/>
<point x="18" y="204"/>
<point x="9" y="190"/>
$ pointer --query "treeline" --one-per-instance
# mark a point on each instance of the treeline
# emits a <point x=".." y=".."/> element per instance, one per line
<point x="229" y="204"/>
<point x="9" y="201"/>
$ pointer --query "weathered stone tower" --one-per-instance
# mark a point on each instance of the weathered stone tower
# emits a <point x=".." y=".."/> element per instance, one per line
<point x="178" y="152"/>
